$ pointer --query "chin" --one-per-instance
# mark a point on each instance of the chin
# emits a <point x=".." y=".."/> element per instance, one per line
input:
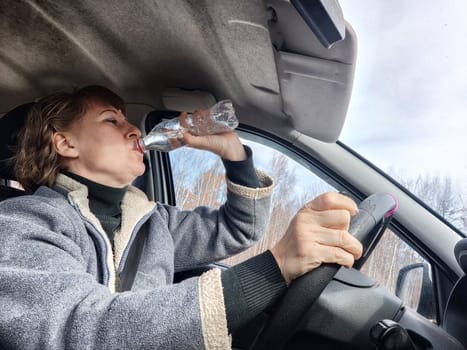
<point x="142" y="170"/>
<point x="137" y="173"/>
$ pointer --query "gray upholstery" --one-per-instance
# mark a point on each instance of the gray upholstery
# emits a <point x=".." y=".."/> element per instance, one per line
<point x="455" y="321"/>
<point x="10" y="127"/>
<point x="233" y="49"/>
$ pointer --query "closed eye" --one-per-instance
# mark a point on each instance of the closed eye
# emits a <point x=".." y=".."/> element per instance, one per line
<point x="112" y="121"/>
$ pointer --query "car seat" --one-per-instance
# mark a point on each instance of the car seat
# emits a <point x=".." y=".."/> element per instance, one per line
<point x="10" y="127"/>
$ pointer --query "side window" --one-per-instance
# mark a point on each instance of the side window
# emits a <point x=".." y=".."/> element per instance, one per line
<point x="199" y="180"/>
<point x="404" y="272"/>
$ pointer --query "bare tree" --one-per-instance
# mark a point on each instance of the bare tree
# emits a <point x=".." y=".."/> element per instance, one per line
<point x="287" y="199"/>
<point x="441" y="195"/>
<point x="198" y="178"/>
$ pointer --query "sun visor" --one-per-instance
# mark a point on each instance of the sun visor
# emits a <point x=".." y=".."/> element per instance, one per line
<point x="316" y="92"/>
<point x="176" y="99"/>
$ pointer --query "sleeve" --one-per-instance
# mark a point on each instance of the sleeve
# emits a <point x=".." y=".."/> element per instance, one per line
<point x="205" y="235"/>
<point x="250" y="287"/>
<point x="242" y="172"/>
<point x="51" y="298"/>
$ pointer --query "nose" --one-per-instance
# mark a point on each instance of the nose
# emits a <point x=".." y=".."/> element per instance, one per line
<point x="133" y="132"/>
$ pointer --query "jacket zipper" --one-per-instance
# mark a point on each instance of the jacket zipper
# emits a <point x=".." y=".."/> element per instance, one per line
<point x="130" y="241"/>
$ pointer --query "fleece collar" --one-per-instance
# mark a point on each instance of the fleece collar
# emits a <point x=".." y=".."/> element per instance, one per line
<point x="135" y="206"/>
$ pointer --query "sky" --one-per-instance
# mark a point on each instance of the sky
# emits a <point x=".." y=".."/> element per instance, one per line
<point x="408" y="110"/>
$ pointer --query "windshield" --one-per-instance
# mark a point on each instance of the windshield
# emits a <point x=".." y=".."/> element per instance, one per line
<point x="408" y="111"/>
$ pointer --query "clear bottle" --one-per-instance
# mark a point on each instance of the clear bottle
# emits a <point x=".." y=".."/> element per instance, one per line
<point x="168" y="134"/>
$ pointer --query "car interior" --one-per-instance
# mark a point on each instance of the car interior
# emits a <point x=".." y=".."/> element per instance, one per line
<point x="288" y="67"/>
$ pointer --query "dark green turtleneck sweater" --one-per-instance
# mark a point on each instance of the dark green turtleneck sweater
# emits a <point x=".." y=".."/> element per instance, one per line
<point x="104" y="202"/>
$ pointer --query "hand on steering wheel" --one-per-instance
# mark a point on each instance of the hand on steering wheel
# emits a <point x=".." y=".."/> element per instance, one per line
<point x="305" y="290"/>
<point x="318" y="234"/>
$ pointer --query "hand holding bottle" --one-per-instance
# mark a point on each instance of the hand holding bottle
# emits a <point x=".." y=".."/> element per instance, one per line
<point x="169" y="134"/>
<point x="226" y="145"/>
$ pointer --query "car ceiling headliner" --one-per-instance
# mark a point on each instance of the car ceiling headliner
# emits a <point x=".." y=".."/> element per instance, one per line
<point x="233" y="49"/>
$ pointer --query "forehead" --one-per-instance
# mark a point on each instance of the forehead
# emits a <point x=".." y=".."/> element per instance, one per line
<point x="96" y="108"/>
<point x="92" y="112"/>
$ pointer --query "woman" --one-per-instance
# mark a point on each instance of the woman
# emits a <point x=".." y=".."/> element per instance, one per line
<point x="88" y="262"/>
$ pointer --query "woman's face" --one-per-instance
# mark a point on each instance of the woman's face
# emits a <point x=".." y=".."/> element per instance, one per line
<point x="102" y="147"/>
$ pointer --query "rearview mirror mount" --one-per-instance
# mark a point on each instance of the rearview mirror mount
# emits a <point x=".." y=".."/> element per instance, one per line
<point x="325" y="19"/>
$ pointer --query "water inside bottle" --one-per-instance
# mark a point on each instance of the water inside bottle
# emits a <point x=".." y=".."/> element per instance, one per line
<point x="168" y="134"/>
<point x="162" y="140"/>
<point x="219" y="118"/>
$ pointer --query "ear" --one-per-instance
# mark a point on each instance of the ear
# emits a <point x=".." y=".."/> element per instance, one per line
<point x="63" y="145"/>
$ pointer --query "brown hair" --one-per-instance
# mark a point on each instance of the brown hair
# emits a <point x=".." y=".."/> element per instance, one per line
<point x="37" y="163"/>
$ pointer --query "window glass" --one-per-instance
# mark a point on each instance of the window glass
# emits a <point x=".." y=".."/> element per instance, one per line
<point x="199" y="180"/>
<point x="408" y="105"/>
<point x="404" y="272"/>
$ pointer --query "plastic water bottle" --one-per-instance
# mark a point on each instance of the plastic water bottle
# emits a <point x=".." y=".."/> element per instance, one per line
<point x="168" y="134"/>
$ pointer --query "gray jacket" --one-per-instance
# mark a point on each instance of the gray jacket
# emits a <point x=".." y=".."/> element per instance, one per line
<point x="63" y="287"/>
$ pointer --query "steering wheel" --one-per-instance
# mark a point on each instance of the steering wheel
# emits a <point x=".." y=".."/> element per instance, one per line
<point x="305" y="290"/>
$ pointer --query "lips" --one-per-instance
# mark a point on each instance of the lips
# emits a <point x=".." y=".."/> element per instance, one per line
<point x="138" y="147"/>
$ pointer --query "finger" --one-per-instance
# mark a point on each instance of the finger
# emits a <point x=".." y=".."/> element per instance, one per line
<point x="176" y="142"/>
<point x="197" y="141"/>
<point x="338" y="218"/>
<point x="339" y="239"/>
<point x="338" y="256"/>
<point x="188" y="138"/>
<point x="333" y="200"/>
<point x="327" y="254"/>
<point x="206" y="142"/>
<point x="182" y="117"/>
